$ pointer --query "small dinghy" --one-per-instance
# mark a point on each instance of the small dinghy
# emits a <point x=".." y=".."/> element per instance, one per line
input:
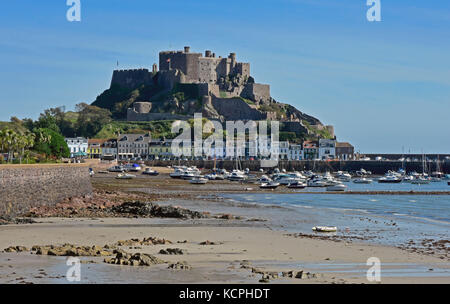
<point x="150" y="171"/>
<point x="324" y="229"/>
<point x="125" y="176"/>
<point x="270" y="185"/>
<point x="198" y="181"/>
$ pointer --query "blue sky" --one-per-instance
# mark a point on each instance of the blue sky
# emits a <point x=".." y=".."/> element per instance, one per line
<point x="383" y="85"/>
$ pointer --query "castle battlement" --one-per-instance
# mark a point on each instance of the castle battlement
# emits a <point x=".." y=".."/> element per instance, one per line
<point x="202" y="68"/>
<point x="131" y="78"/>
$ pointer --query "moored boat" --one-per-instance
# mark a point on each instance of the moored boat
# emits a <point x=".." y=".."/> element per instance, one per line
<point x="362" y="180"/>
<point x="390" y="179"/>
<point x="150" y="171"/>
<point x="420" y="181"/>
<point x="324" y="229"/>
<point x="297" y="185"/>
<point x="338" y="187"/>
<point x="125" y="176"/>
<point x="198" y="181"/>
<point x="271" y="185"/>
<point x="116" y="169"/>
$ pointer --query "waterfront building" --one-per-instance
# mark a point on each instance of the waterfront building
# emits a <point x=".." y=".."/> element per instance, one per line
<point x="109" y="149"/>
<point x="95" y="148"/>
<point x="160" y="149"/>
<point x="295" y="152"/>
<point x="133" y="145"/>
<point x="310" y="150"/>
<point x="327" y="149"/>
<point x="283" y="149"/>
<point x="77" y="146"/>
<point x="345" y="151"/>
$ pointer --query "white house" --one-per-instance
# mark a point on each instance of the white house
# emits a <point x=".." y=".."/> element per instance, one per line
<point x="295" y="152"/>
<point x="77" y="145"/>
<point x="284" y="149"/>
<point x="327" y="148"/>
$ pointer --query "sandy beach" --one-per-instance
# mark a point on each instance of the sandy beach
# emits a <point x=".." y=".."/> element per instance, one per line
<point x="247" y="246"/>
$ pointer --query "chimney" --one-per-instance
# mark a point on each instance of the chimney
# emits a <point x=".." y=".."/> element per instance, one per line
<point x="187" y="49"/>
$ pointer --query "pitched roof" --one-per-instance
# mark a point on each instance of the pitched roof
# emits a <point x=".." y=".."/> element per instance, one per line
<point x="96" y="141"/>
<point x="343" y="145"/>
<point x="135" y="137"/>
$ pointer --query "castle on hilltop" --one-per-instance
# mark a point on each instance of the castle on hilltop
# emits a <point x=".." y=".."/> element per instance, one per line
<point x="214" y="79"/>
<point x="220" y="88"/>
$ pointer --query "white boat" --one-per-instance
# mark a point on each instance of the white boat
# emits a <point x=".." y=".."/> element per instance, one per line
<point x="297" y="185"/>
<point x="150" y="171"/>
<point x="271" y="185"/>
<point x="116" y="169"/>
<point x="420" y="181"/>
<point x="198" y="181"/>
<point x="362" y="180"/>
<point x="316" y="182"/>
<point x="236" y="176"/>
<point x="176" y="174"/>
<point x="219" y="177"/>
<point x="390" y="179"/>
<point x="125" y="176"/>
<point x="338" y="187"/>
<point x="343" y="176"/>
<point x="187" y="175"/>
<point x="408" y="178"/>
<point x="324" y="229"/>
<point x="363" y="172"/>
<point x="264" y="179"/>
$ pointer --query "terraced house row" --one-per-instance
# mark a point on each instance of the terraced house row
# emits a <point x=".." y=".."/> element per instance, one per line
<point x="129" y="146"/>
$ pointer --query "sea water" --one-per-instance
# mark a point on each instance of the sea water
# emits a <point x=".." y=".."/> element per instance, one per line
<point x="386" y="219"/>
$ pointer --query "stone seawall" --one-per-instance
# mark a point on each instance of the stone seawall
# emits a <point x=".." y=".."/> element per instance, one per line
<point x="376" y="167"/>
<point x="26" y="186"/>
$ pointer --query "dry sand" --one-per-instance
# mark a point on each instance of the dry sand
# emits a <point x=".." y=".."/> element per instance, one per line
<point x="263" y="247"/>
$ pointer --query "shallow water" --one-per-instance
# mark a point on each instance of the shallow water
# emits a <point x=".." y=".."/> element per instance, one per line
<point x="385" y="219"/>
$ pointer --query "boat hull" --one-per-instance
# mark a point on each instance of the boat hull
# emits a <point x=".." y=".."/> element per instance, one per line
<point x="390" y="181"/>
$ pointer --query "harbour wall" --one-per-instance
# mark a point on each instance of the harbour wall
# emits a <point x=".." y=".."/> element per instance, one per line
<point x="25" y="186"/>
<point x="376" y="167"/>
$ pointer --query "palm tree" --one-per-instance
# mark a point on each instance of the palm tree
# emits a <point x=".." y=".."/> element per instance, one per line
<point x="9" y="138"/>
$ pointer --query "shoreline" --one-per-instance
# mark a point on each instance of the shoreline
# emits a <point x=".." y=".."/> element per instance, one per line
<point x="265" y="249"/>
<point x="249" y="246"/>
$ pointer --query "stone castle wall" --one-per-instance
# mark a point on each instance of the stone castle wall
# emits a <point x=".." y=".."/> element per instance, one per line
<point x="25" y="186"/>
<point x="256" y="91"/>
<point x="236" y="109"/>
<point x="199" y="68"/>
<point x="185" y="62"/>
<point x="131" y="78"/>
<point x="133" y="115"/>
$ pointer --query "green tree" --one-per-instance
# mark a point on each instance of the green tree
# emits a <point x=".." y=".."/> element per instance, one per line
<point x="91" y="119"/>
<point x="50" y="143"/>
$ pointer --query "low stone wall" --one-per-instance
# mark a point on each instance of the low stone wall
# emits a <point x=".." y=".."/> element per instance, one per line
<point x="26" y="186"/>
